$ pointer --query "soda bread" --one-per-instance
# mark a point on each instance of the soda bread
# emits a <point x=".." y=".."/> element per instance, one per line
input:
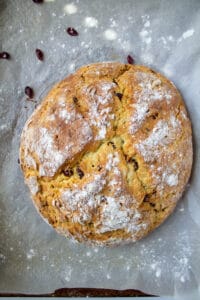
<point x="107" y="154"/>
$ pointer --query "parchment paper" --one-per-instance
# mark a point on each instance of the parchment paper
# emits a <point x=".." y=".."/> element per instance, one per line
<point x="161" y="34"/>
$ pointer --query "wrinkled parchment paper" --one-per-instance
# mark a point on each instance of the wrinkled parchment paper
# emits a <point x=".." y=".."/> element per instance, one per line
<point x="161" y="34"/>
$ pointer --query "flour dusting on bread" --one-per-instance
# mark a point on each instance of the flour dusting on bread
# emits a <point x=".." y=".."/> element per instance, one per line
<point x="100" y="111"/>
<point x="151" y="89"/>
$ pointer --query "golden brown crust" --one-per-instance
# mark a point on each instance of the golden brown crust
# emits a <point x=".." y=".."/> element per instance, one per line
<point x="108" y="153"/>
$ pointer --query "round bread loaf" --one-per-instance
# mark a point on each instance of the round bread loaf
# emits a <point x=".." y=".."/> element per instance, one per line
<point x="108" y="153"/>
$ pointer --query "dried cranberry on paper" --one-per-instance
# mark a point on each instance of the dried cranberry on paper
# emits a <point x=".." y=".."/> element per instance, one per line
<point x="38" y="1"/>
<point x="39" y="54"/>
<point x="4" y="55"/>
<point x="71" y="31"/>
<point x="130" y="60"/>
<point x="29" y="92"/>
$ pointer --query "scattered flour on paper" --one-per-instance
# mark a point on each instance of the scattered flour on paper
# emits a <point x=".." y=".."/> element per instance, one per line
<point x="113" y="23"/>
<point x="168" y="41"/>
<point x="70" y="8"/>
<point x="2" y="258"/>
<point x="187" y="34"/>
<point x="110" y="34"/>
<point x="179" y="264"/>
<point x="146" y="39"/>
<point x="155" y="267"/>
<point x="90" y="22"/>
<point x="67" y="273"/>
<point x="71" y="67"/>
<point x="108" y="276"/>
<point x="31" y="253"/>
<point x="3" y="127"/>
<point x="145" y="36"/>
<point x="147" y="23"/>
<point x="168" y="70"/>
